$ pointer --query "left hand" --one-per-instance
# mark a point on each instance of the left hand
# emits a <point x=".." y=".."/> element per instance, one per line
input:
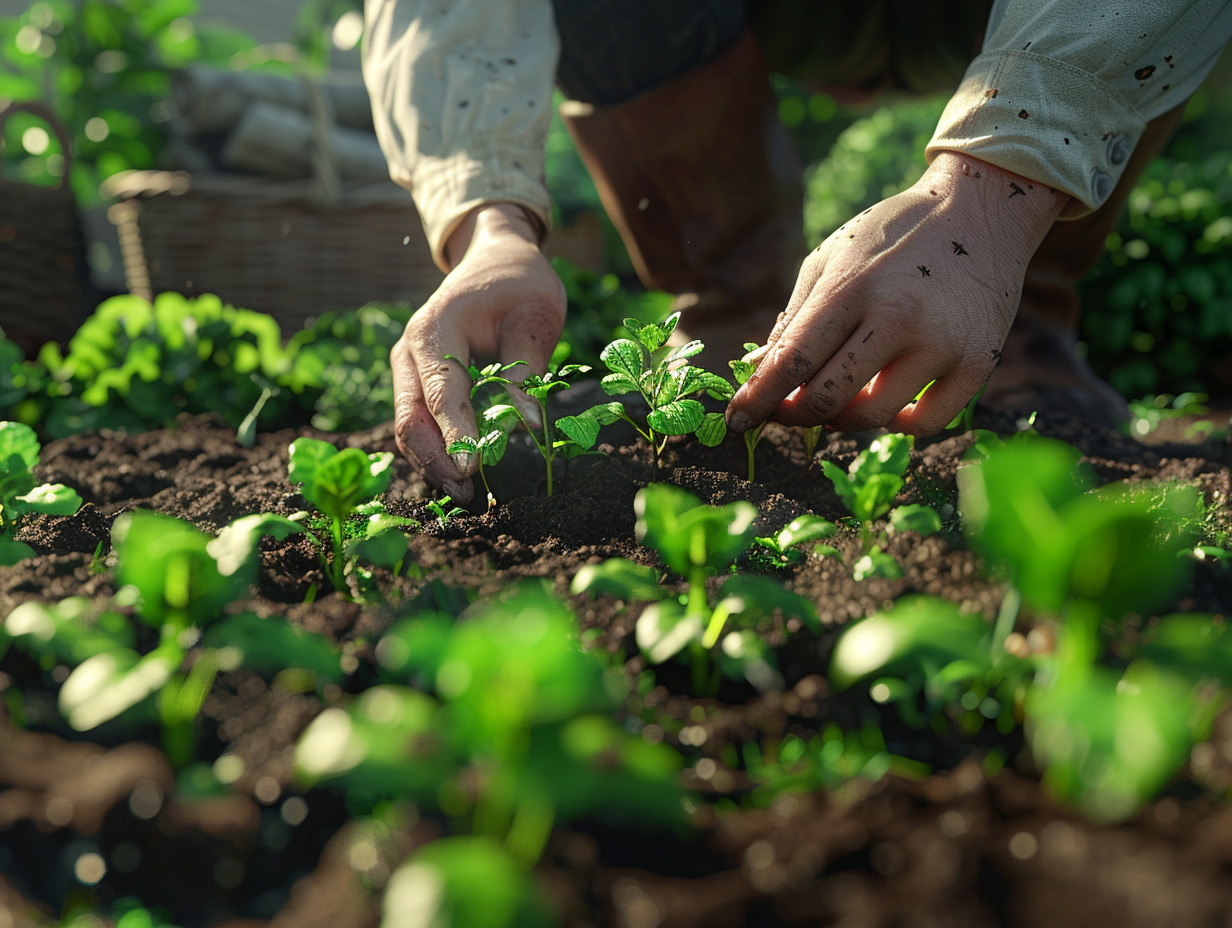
<point x="921" y="287"/>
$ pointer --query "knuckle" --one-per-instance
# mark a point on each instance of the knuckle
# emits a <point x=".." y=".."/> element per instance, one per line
<point x="792" y="365"/>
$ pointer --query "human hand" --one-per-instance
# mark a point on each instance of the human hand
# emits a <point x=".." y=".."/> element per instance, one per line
<point x="921" y="287"/>
<point x="503" y="301"/>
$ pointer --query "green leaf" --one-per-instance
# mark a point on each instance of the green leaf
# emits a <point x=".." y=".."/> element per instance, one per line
<point x="1192" y="647"/>
<point x="803" y="529"/>
<point x="618" y="384"/>
<point x="464" y="880"/>
<point x="236" y="548"/>
<point x="687" y="350"/>
<point x="624" y="358"/>
<point x="923" y="520"/>
<point x="341" y="482"/>
<point x="745" y="654"/>
<point x="384" y="547"/>
<point x="876" y="564"/>
<point x="168" y="561"/>
<point x="875" y="495"/>
<point x="690" y="535"/>
<point x="713" y="429"/>
<point x="20" y="440"/>
<point x="664" y="629"/>
<point x="271" y="645"/>
<point x="13" y="551"/>
<point x="107" y="684"/>
<point x="619" y="577"/>
<point x="583" y="429"/>
<point x="842" y="484"/>
<point x="677" y="418"/>
<point x="66" y="632"/>
<point x="763" y="596"/>
<point x="918" y="631"/>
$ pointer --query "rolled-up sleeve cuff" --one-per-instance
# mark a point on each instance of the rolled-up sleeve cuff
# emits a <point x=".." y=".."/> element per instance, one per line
<point x="491" y="170"/>
<point x="1046" y="120"/>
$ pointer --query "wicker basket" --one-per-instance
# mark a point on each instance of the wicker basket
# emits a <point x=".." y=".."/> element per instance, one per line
<point x="270" y="245"/>
<point x="45" y="289"/>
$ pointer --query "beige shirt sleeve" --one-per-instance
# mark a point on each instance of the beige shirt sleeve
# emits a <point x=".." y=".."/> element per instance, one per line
<point x="461" y="97"/>
<point x="1063" y="89"/>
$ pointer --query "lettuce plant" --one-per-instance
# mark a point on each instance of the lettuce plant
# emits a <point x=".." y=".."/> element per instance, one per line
<point x="337" y="483"/>
<point x="20" y="494"/>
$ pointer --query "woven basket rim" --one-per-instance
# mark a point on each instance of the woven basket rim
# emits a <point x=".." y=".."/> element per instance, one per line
<point x="251" y="188"/>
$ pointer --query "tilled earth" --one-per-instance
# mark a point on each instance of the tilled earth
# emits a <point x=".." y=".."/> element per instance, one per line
<point x="100" y="819"/>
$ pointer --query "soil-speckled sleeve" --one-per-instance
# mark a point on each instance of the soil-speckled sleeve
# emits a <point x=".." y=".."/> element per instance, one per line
<point x="1063" y="89"/>
<point x="461" y="97"/>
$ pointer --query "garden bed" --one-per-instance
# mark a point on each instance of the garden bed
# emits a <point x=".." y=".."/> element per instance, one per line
<point x="951" y="839"/>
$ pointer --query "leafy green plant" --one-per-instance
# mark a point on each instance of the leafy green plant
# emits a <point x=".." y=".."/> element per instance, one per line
<point x="103" y="66"/>
<point x="786" y="544"/>
<point x="697" y="541"/>
<point x="337" y="483"/>
<point x="1089" y="557"/>
<point x="868" y="489"/>
<point x="666" y="382"/>
<point x="497" y="421"/>
<point x="179" y="582"/>
<point x="443" y="511"/>
<point x="510" y="738"/>
<point x="20" y="495"/>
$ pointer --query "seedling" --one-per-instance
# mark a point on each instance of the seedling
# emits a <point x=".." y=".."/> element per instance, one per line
<point x="787" y="545"/>
<point x="443" y="511"/>
<point x="497" y="421"/>
<point x="868" y="489"/>
<point x="512" y="738"/>
<point x="19" y="494"/>
<point x="337" y="483"/>
<point x="1088" y="557"/>
<point x="178" y="581"/>
<point x="811" y="434"/>
<point x="742" y="370"/>
<point x="697" y="541"/>
<point x="666" y="382"/>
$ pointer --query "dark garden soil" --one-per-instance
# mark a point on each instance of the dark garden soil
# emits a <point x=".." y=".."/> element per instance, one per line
<point x="964" y="846"/>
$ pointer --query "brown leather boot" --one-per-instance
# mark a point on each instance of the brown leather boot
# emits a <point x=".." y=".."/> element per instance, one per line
<point x="705" y="188"/>
<point x="1040" y="370"/>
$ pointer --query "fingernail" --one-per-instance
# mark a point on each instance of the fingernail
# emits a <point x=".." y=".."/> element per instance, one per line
<point x="461" y="460"/>
<point x="738" y="422"/>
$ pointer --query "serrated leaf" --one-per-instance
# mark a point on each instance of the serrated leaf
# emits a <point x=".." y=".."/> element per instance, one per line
<point x="617" y="384"/>
<point x="687" y="350"/>
<point x="713" y="429"/>
<point x="652" y="336"/>
<point x="624" y="357"/>
<point x="582" y="429"/>
<point x="677" y="418"/>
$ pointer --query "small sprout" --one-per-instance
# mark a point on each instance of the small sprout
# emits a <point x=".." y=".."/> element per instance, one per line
<point x="19" y="494"/>
<point x="742" y="370"/>
<point x="787" y="544"/>
<point x="443" y="511"/>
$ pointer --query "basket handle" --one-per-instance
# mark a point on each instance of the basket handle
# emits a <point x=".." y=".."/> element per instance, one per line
<point x="44" y="113"/>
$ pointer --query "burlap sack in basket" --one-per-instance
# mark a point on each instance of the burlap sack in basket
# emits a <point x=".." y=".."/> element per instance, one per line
<point x="290" y="247"/>
<point x="45" y="289"/>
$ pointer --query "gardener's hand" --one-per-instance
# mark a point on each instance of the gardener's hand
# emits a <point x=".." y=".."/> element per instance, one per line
<point x="921" y="287"/>
<point x="501" y="301"/>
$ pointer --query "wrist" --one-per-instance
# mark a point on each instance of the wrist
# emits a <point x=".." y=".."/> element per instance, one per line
<point x="1013" y="205"/>
<point x="489" y="222"/>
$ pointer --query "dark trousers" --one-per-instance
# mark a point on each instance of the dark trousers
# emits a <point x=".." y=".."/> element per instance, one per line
<point x="613" y="50"/>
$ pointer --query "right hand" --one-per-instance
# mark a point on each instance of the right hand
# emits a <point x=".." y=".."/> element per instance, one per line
<point x="502" y="301"/>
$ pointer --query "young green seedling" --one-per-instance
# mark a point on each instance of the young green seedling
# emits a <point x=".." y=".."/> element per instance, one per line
<point x="504" y="417"/>
<point x="786" y="545"/>
<point x="443" y="511"/>
<point x="337" y="483"/>
<point x="742" y="370"/>
<point x="19" y="493"/>
<point x="667" y="382"/>
<point x="178" y="581"/>
<point x="697" y="541"/>
<point x="868" y="489"/>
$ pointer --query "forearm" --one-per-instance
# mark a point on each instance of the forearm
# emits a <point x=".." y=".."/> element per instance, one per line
<point x="1062" y="91"/>
<point x="461" y="95"/>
